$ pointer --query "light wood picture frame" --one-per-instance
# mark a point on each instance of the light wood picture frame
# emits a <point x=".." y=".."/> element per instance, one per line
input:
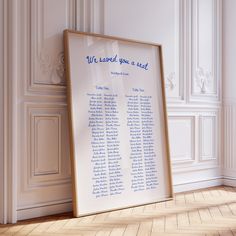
<point x="118" y="123"/>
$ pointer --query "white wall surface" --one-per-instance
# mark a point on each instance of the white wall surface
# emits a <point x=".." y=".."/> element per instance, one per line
<point x="229" y="91"/>
<point x="44" y="179"/>
<point x="1" y="112"/>
<point x="144" y="22"/>
<point x="229" y="50"/>
<point x="190" y="34"/>
<point x="189" y="31"/>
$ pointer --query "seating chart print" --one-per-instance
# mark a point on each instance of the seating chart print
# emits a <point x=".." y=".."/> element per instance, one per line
<point x="119" y="138"/>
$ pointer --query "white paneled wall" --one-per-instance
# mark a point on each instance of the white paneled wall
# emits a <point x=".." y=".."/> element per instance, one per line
<point x="44" y="183"/>
<point x="183" y="148"/>
<point x="229" y="164"/>
<point x="191" y="40"/>
<point x="229" y="93"/>
<point x="190" y="32"/>
<point x="48" y="20"/>
<point x="146" y="23"/>
<point x="205" y="50"/>
<point x="1" y="111"/>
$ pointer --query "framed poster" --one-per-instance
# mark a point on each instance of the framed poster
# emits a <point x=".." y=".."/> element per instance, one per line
<point x="119" y="137"/>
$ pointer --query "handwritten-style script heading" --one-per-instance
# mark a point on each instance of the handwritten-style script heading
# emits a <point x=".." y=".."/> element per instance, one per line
<point x="116" y="59"/>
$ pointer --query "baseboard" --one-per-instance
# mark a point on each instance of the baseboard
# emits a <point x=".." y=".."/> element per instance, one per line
<point x="199" y="184"/>
<point x="35" y="212"/>
<point x="229" y="181"/>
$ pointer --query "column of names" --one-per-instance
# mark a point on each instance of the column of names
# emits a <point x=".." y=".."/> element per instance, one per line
<point x="98" y="143"/>
<point x="113" y="144"/>
<point x="149" y="154"/>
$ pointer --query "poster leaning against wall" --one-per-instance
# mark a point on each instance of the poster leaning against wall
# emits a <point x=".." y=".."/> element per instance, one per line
<point x="118" y="123"/>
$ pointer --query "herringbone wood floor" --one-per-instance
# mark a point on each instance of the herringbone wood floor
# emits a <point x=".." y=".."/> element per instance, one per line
<point x="204" y="212"/>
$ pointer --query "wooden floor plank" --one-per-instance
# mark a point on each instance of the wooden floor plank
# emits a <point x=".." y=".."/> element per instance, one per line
<point x="103" y="233"/>
<point x="194" y="217"/>
<point x="131" y="230"/>
<point x="145" y="228"/>
<point x="118" y="231"/>
<point x="158" y="225"/>
<point x="182" y="220"/>
<point x="225" y="211"/>
<point x="189" y="197"/>
<point x="205" y="215"/>
<point x="215" y="212"/>
<point x="171" y="223"/>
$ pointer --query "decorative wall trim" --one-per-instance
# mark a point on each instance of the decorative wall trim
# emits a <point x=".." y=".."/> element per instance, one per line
<point x="46" y="48"/>
<point x="176" y="80"/>
<point x="170" y="81"/>
<point x="41" y="124"/>
<point x="1" y="111"/>
<point x="45" y="210"/>
<point x="213" y="137"/>
<point x="183" y="157"/>
<point x="90" y="16"/>
<point x="52" y="179"/>
<point x="56" y="115"/>
<point x="52" y="68"/>
<point x="10" y="110"/>
<point x="205" y="125"/>
<point x="203" y="79"/>
<point x="193" y="185"/>
<point x="194" y="168"/>
<point x="229" y="137"/>
<point x="205" y="83"/>
<point x="229" y="181"/>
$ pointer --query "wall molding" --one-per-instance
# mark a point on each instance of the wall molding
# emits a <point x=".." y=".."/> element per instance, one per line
<point x="229" y="181"/>
<point x="205" y="84"/>
<point x="10" y="110"/>
<point x="176" y="80"/>
<point x="197" y="167"/>
<point x="44" y="210"/>
<point x="38" y="121"/>
<point x="46" y="51"/>
<point x="183" y="157"/>
<point x="90" y="16"/>
<point x="199" y="184"/>
<point x="214" y="136"/>
<point x="200" y="125"/>
<point x="229" y="137"/>
<point x="1" y="111"/>
<point x="34" y="113"/>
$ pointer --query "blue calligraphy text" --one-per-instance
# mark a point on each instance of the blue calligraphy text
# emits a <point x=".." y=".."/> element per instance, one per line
<point x="91" y="60"/>
<point x="116" y="59"/>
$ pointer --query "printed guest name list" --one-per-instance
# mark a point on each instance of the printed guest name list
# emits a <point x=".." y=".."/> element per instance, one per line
<point x="105" y="123"/>
<point x="105" y="127"/>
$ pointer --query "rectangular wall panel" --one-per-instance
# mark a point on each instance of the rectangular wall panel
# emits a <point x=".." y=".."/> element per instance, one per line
<point x="182" y="138"/>
<point x="45" y="165"/>
<point x="208" y="137"/>
<point x="229" y="137"/>
<point x="49" y="18"/>
<point x="205" y="49"/>
<point x="46" y="145"/>
<point x="44" y="175"/>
